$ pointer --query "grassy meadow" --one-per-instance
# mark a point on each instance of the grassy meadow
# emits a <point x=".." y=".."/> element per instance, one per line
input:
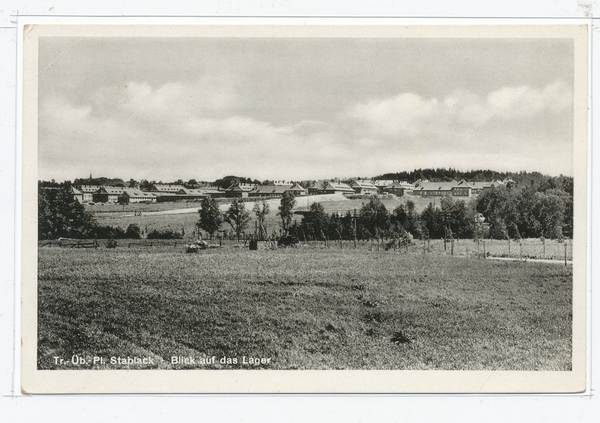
<point x="302" y="308"/>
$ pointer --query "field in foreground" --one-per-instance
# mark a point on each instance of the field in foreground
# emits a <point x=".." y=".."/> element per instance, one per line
<point x="302" y="309"/>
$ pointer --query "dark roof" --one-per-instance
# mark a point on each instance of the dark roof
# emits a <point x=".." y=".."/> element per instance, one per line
<point x="437" y="186"/>
<point x="167" y="187"/>
<point x="296" y="187"/>
<point x="337" y="186"/>
<point x="317" y="185"/>
<point x="271" y="189"/>
<point x="134" y="192"/>
<point x="112" y="190"/>
<point x="242" y="187"/>
<point x="396" y="186"/>
<point x="192" y="191"/>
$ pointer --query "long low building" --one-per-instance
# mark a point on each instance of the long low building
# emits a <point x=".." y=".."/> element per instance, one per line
<point x="276" y="190"/>
<point x="330" y="188"/>
<point x="461" y="188"/>
<point x="133" y="195"/>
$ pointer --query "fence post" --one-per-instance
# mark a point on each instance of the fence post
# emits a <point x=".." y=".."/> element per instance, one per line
<point x="509" y="246"/>
<point x="565" y="252"/>
<point x="544" y="248"/>
<point x="354" y="228"/>
<point x="521" y="250"/>
<point x="484" y="249"/>
<point x="452" y="247"/>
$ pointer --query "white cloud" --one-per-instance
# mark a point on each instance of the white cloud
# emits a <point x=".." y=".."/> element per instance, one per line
<point x="172" y="102"/>
<point x="524" y="102"/>
<point x="411" y="115"/>
<point x="405" y="114"/>
<point x="193" y="131"/>
<point x="187" y="147"/>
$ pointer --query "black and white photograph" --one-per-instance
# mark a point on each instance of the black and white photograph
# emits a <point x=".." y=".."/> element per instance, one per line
<point x="304" y="208"/>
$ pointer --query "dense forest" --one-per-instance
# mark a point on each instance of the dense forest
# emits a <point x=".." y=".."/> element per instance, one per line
<point x="446" y="175"/>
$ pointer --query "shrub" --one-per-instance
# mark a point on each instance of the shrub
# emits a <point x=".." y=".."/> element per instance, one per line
<point x="164" y="234"/>
<point x="133" y="232"/>
<point x="107" y="232"/>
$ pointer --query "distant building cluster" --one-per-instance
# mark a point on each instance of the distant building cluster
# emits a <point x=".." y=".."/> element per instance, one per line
<point x="159" y="193"/>
<point x="122" y="195"/>
<point x="460" y="188"/>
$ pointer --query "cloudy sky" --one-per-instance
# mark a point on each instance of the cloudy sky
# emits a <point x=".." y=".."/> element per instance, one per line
<point x="298" y="108"/>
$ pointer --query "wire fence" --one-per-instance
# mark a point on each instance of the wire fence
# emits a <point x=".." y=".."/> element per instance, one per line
<point x="530" y="248"/>
<point x="524" y="249"/>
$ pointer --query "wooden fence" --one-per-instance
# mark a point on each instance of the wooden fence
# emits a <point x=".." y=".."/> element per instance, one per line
<point x="117" y="243"/>
<point x="524" y="249"/>
<point x="71" y="243"/>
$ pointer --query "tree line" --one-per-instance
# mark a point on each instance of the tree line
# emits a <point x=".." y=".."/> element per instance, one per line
<point x="499" y="213"/>
<point x="522" y="178"/>
<point x="541" y="208"/>
<point x="534" y="211"/>
<point x="211" y="218"/>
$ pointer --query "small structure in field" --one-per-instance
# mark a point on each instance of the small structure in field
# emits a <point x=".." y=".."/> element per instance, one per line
<point x="262" y="245"/>
<point x="196" y="247"/>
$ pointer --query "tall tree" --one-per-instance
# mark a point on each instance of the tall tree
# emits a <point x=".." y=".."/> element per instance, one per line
<point x="286" y="210"/>
<point x="432" y="219"/>
<point x="60" y="215"/>
<point x="399" y="218"/>
<point x="261" y="210"/>
<point x="462" y="222"/>
<point x="548" y="209"/>
<point x="146" y="185"/>
<point x="237" y="216"/>
<point x="316" y="221"/>
<point x="374" y="217"/>
<point x="412" y="216"/>
<point x="210" y="216"/>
